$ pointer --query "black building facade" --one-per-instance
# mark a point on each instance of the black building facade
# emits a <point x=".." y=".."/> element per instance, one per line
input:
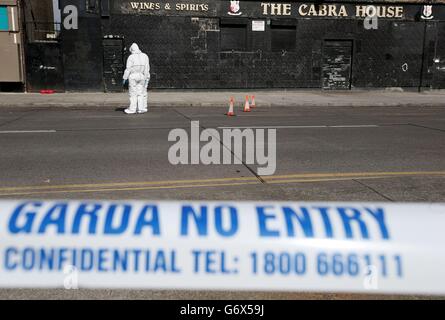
<point x="205" y="44"/>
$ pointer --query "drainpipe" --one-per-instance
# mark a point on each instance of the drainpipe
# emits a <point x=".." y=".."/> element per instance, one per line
<point x="423" y="48"/>
<point x="22" y="30"/>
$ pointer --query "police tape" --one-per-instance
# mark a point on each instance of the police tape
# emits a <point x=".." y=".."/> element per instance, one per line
<point x="279" y="246"/>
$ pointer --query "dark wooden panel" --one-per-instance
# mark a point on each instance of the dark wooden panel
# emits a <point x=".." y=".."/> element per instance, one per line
<point x="44" y="69"/>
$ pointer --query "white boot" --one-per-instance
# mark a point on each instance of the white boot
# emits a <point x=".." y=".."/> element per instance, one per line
<point x="141" y="104"/>
<point x="129" y="111"/>
<point x="133" y="104"/>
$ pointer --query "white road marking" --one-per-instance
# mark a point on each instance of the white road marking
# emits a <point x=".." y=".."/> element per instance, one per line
<point x="247" y="127"/>
<point x="356" y="126"/>
<point x="303" y="127"/>
<point x="27" y="131"/>
<point x="273" y="127"/>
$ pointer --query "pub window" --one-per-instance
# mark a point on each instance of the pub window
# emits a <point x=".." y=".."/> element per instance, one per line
<point x="43" y="20"/>
<point x="283" y="37"/>
<point x="233" y="35"/>
<point x="91" y="6"/>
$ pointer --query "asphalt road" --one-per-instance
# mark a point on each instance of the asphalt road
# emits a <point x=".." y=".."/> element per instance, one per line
<point x="323" y="154"/>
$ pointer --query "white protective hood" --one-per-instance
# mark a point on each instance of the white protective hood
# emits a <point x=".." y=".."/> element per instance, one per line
<point x="134" y="49"/>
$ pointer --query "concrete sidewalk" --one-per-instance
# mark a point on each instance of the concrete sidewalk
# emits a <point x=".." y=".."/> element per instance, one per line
<point x="194" y="98"/>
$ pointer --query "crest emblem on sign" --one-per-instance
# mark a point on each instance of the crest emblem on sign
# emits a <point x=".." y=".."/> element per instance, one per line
<point x="234" y="9"/>
<point x="427" y="12"/>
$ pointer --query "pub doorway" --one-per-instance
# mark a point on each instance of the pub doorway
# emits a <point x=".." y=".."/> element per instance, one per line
<point x="337" y="65"/>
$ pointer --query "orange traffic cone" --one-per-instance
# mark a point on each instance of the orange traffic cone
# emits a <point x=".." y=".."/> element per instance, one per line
<point x="231" y="113"/>
<point x="253" y="104"/>
<point x="247" y="105"/>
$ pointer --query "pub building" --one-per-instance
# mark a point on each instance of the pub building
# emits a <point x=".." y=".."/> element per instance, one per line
<point x="219" y="44"/>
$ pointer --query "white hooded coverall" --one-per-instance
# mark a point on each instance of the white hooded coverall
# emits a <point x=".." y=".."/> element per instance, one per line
<point x="138" y="75"/>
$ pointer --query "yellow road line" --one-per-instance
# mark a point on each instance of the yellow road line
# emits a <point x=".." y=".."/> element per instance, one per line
<point x="118" y="184"/>
<point x="213" y="180"/>
<point x="357" y="174"/>
<point x="324" y="179"/>
<point x="160" y="187"/>
<point x="130" y="188"/>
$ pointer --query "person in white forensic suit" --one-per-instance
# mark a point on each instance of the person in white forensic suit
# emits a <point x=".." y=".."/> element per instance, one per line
<point x="137" y="73"/>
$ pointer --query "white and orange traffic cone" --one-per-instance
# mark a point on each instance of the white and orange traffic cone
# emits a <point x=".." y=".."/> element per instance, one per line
<point x="247" y="105"/>
<point x="231" y="113"/>
<point x="253" y="104"/>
